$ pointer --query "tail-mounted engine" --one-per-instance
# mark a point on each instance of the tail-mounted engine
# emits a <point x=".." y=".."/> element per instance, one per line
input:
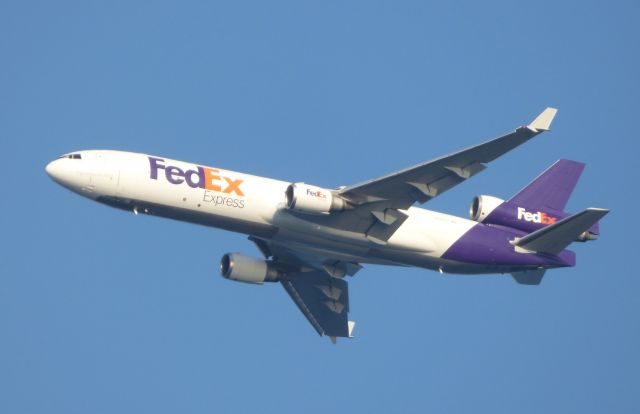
<point x="313" y="200"/>
<point x="482" y="206"/>
<point x="492" y="210"/>
<point x="234" y="266"/>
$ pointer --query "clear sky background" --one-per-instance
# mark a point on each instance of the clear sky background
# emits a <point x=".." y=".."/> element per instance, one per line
<point x="105" y="312"/>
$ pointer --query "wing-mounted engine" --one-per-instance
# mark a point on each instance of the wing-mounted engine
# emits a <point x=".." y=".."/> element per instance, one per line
<point x="313" y="200"/>
<point x="235" y="266"/>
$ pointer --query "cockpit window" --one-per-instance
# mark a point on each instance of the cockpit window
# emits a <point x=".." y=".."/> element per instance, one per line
<point x="72" y="156"/>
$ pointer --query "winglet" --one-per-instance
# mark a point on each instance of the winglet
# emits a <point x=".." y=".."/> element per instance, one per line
<point x="543" y="121"/>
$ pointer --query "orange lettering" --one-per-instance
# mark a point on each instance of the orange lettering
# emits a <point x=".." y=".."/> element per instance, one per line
<point x="546" y="219"/>
<point x="210" y="175"/>
<point x="234" y="185"/>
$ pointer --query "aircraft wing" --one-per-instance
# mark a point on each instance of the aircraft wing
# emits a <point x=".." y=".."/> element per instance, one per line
<point x="317" y="286"/>
<point x="425" y="181"/>
<point x="323" y="300"/>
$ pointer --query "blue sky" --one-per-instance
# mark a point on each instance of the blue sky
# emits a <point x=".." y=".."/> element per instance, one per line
<point x="102" y="311"/>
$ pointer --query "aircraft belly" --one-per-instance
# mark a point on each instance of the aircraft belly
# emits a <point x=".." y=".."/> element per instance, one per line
<point x="348" y="252"/>
<point x="433" y="262"/>
<point x="420" y="241"/>
<point x="191" y="216"/>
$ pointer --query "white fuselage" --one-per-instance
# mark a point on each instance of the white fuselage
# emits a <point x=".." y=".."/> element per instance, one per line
<point x="252" y="205"/>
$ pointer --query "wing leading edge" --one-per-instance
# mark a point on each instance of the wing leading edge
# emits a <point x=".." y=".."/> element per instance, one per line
<point x="422" y="182"/>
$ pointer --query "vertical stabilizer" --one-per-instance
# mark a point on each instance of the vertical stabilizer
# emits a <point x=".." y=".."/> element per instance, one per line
<point x="552" y="188"/>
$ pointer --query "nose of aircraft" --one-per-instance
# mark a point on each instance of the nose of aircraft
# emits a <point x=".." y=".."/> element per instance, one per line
<point x="53" y="169"/>
<point x="64" y="172"/>
<point x="88" y="173"/>
<point x="58" y="171"/>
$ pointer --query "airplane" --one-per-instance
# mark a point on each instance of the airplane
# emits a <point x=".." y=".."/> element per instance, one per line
<point x="311" y="238"/>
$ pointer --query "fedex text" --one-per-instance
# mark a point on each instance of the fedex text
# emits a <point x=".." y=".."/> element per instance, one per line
<point x="202" y="177"/>
<point x="318" y="193"/>
<point x="539" y="217"/>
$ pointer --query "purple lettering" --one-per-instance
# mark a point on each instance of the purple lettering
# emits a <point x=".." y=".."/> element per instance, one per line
<point x="200" y="177"/>
<point x="174" y="175"/>
<point x="190" y="179"/>
<point x="155" y="165"/>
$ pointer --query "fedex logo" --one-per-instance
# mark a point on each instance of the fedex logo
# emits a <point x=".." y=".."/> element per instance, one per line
<point x="539" y="217"/>
<point x="201" y="177"/>
<point x="318" y="193"/>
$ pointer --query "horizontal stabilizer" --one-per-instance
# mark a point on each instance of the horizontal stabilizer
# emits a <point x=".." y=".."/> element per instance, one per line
<point x="529" y="277"/>
<point x="556" y="237"/>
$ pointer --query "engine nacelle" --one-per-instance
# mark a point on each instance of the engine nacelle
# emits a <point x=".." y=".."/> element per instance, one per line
<point x="313" y="200"/>
<point x="492" y="210"/>
<point x="482" y="206"/>
<point x="235" y="266"/>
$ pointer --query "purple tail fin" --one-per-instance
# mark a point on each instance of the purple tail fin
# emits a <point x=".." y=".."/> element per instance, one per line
<point x="552" y="188"/>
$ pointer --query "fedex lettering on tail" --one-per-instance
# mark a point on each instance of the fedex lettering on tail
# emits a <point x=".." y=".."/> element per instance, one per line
<point x="539" y="217"/>
<point x="201" y="177"/>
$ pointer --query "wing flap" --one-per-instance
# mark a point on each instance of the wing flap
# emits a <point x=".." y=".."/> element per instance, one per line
<point x="387" y="222"/>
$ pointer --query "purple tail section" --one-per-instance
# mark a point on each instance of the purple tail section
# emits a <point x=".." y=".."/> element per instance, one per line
<point x="551" y="189"/>
<point x="542" y="202"/>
